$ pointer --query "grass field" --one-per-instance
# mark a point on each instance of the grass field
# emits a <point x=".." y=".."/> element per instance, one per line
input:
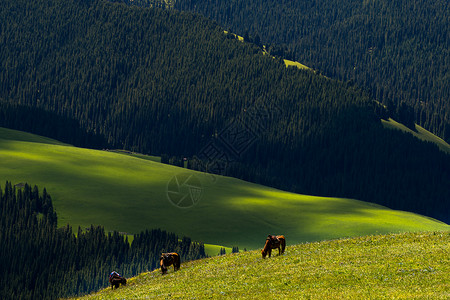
<point x="402" y="266"/>
<point x="130" y="194"/>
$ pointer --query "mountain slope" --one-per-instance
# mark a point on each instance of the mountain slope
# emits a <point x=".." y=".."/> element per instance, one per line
<point x="171" y="83"/>
<point x="393" y="266"/>
<point x="398" y="50"/>
<point x="129" y="194"/>
<point x="420" y="133"/>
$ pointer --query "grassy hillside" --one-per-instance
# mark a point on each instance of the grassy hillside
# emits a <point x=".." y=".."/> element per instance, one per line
<point x="403" y="266"/>
<point x="15" y="135"/>
<point x="165" y="82"/>
<point x="129" y="194"/>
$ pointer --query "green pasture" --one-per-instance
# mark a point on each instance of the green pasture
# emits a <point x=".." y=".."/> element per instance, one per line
<point x="401" y="266"/>
<point x="130" y="194"/>
<point x="213" y="250"/>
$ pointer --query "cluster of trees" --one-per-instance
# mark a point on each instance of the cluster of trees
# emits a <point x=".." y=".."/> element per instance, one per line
<point x="223" y="251"/>
<point x="166" y="4"/>
<point x="174" y="160"/>
<point x="161" y="81"/>
<point x="40" y="261"/>
<point x="397" y="50"/>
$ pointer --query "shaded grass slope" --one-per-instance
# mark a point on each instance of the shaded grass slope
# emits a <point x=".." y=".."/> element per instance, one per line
<point x="400" y="266"/>
<point x="130" y="194"/>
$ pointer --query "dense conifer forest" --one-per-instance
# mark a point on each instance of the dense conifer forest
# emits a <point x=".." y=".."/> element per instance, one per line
<point x="397" y="50"/>
<point x="49" y="124"/>
<point x="40" y="261"/>
<point x="164" y="82"/>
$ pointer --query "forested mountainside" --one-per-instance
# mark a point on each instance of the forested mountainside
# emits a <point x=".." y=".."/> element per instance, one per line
<point x="397" y="50"/>
<point x="42" y="262"/>
<point x="167" y="82"/>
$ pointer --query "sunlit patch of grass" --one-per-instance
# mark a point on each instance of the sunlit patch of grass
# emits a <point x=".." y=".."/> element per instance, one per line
<point x="290" y="63"/>
<point x="400" y="266"/>
<point x="213" y="250"/>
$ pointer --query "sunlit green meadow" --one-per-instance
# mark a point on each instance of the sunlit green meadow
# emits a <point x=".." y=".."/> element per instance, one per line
<point x="130" y="194"/>
<point x="402" y="266"/>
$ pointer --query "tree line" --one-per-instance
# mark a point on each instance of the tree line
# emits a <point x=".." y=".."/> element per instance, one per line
<point x="41" y="261"/>
<point x="47" y="123"/>
<point x="171" y="83"/>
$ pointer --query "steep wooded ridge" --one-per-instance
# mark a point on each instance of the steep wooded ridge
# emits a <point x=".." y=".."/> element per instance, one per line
<point x="164" y="82"/>
<point x="398" y="50"/>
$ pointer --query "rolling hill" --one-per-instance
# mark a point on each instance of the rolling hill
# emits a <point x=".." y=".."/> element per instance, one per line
<point x="166" y="83"/>
<point x="106" y="75"/>
<point x="130" y="194"/>
<point x="403" y="266"/>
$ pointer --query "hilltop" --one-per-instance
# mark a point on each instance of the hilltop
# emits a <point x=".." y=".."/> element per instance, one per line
<point x="130" y="194"/>
<point x="372" y="267"/>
